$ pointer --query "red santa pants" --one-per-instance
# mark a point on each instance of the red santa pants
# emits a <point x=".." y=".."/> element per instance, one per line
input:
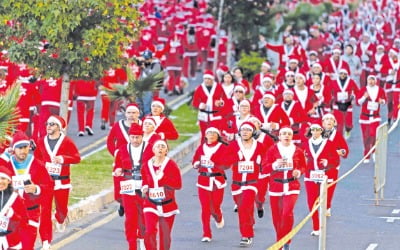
<point x="262" y="187"/>
<point x="60" y="197"/>
<point x="313" y="189"/>
<point x="117" y="188"/>
<point x="369" y="135"/>
<point x="29" y="234"/>
<point x="165" y="226"/>
<point x="210" y="202"/>
<point x="134" y="219"/>
<point x="202" y="59"/>
<point x="333" y="176"/>
<point x="393" y="104"/>
<point x="108" y="109"/>
<point x="245" y="203"/>
<point x="85" y="107"/>
<point x="282" y="213"/>
<point x="189" y="66"/>
<point x="344" y="120"/>
<point x="174" y="78"/>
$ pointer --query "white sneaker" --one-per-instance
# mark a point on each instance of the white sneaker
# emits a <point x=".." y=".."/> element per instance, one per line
<point x="220" y="224"/>
<point x="366" y="161"/>
<point x="315" y="233"/>
<point x="206" y="239"/>
<point x="235" y="208"/>
<point x="60" y="228"/>
<point x="141" y="244"/>
<point x="347" y="134"/>
<point x="328" y="212"/>
<point x="46" y="245"/>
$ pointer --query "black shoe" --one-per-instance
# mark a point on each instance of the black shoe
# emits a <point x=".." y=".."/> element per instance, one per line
<point x="89" y="130"/>
<point x="260" y="213"/>
<point x="81" y="133"/>
<point x="389" y="121"/>
<point x="121" y="211"/>
<point x="103" y="125"/>
<point x="235" y="208"/>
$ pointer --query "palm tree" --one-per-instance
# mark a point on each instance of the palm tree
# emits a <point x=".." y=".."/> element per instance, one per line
<point x="8" y="112"/>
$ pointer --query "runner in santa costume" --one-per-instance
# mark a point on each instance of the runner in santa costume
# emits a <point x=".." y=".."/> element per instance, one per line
<point x="85" y="92"/>
<point x="304" y="94"/>
<point x="209" y="99"/>
<point x="239" y="78"/>
<point x="332" y="65"/>
<point x="119" y="136"/>
<point x="173" y="64"/>
<point x="31" y="180"/>
<point x="271" y="115"/>
<point x="267" y="86"/>
<point x="258" y="78"/>
<point x="14" y="218"/>
<point x="244" y="179"/>
<point x="322" y="159"/>
<point x="161" y="177"/>
<point x="343" y="91"/>
<point x="293" y="65"/>
<point x="58" y="152"/>
<point x="164" y="126"/>
<point x="370" y="98"/>
<point x="297" y="115"/>
<point x="190" y="44"/>
<point x="237" y="120"/>
<point x="210" y="161"/>
<point x="342" y="149"/>
<point x="285" y="162"/>
<point x="232" y="105"/>
<point x="288" y="83"/>
<point x="129" y="160"/>
<point x="377" y="63"/>
<point x="323" y="94"/>
<point x="286" y="50"/>
<point x="390" y="68"/>
<point x="228" y="84"/>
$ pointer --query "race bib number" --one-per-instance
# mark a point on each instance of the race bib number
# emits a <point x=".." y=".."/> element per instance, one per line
<point x="202" y="116"/>
<point x="4" y="221"/>
<point x="317" y="175"/>
<point x="53" y="169"/>
<point x="18" y="180"/>
<point x="373" y="106"/>
<point x="246" y="167"/>
<point x="157" y="194"/>
<point x="205" y="162"/>
<point x="342" y="96"/>
<point x="285" y="167"/>
<point x="127" y="187"/>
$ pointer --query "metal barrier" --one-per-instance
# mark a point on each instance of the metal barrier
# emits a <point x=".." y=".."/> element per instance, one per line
<point x="380" y="161"/>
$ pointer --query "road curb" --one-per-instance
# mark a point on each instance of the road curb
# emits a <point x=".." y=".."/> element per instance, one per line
<point x="98" y="201"/>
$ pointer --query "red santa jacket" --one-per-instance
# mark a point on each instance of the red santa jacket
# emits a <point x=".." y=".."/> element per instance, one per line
<point x="297" y="116"/>
<point x="245" y="171"/>
<point x="174" y="54"/>
<point x="29" y="99"/>
<point x="343" y="94"/>
<point x="326" y="151"/>
<point x="305" y="97"/>
<point x="257" y="80"/>
<point x="118" y="136"/>
<point x="275" y="114"/>
<point x="324" y="100"/>
<point x="164" y="127"/>
<point x="160" y="198"/>
<point x="85" y="90"/>
<point x="259" y="93"/>
<point x="202" y="95"/>
<point x="211" y="161"/>
<point x="65" y="148"/>
<point x="339" y="142"/>
<point x="332" y="67"/>
<point x="370" y="107"/>
<point x="50" y="92"/>
<point x="284" y="52"/>
<point x="365" y="51"/>
<point x="38" y="176"/>
<point x="282" y="182"/>
<point x="390" y="68"/>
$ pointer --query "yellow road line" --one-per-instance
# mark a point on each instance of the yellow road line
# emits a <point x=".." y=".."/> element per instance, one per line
<point x="93" y="145"/>
<point x="84" y="231"/>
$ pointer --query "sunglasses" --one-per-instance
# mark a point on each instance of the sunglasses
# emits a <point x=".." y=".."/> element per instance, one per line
<point x="238" y="91"/>
<point x="51" y="124"/>
<point x="316" y="129"/>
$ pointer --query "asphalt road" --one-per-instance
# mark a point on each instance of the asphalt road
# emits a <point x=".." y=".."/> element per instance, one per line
<point x="356" y="223"/>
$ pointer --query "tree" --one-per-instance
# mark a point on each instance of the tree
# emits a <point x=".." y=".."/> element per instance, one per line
<point x="83" y="37"/>
<point x="8" y="112"/>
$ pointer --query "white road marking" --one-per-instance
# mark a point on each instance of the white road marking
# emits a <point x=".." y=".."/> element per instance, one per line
<point x="372" y="246"/>
<point x="396" y="211"/>
<point x="391" y="219"/>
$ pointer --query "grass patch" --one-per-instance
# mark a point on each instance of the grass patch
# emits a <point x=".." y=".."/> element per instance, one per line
<point x="93" y="174"/>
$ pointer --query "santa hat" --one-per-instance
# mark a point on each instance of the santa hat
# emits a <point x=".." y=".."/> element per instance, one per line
<point x="380" y="46"/>
<point x="150" y="120"/>
<point x="159" y="101"/>
<point x="5" y="172"/>
<point x="317" y="65"/>
<point x="58" y="120"/>
<point x="159" y="142"/>
<point x="397" y="40"/>
<point x="314" y="28"/>
<point x="208" y="74"/>
<point x="239" y="87"/>
<point x="343" y="70"/>
<point x="266" y="64"/>
<point x="214" y="127"/>
<point x="293" y="59"/>
<point x="223" y="68"/>
<point x="394" y="50"/>
<point x="247" y="125"/>
<point x="133" y="107"/>
<point x="254" y="119"/>
<point x="312" y="52"/>
<point x="337" y="51"/>
<point x="371" y="76"/>
<point x="289" y="73"/>
<point x="288" y="92"/>
<point x="244" y="102"/>
<point x="316" y="124"/>
<point x="269" y="95"/>
<point x="135" y="129"/>
<point x="286" y="129"/>
<point x="328" y="116"/>
<point x="267" y="79"/>
<point x="301" y="75"/>
<point x="19" y="140"/>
